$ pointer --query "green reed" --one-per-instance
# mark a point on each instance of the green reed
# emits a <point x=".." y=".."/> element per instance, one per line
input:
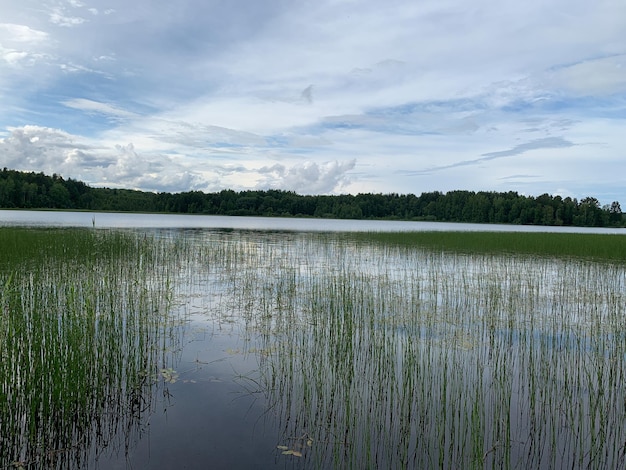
<point x="608" y="247"/>
<point x="374" y="351"/>
<point x="83" y="316"/>
<point x="374" y="355"/>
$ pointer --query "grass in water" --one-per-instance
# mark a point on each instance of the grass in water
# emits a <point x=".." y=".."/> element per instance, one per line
<point x="82" y="319"/>
<point x="376" y="355"/>
<point x="435" y="350"/>
<point x="608" y="247"/>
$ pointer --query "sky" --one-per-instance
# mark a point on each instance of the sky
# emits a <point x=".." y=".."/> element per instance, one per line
<point x="318" y="97"/>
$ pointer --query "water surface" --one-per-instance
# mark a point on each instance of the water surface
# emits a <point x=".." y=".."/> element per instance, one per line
<point x="131" y="220"/>
<point x="293" y="346"/>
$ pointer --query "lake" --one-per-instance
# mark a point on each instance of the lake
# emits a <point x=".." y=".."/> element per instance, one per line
<point x="131" y="220"/>
<point x="227" y="342"/>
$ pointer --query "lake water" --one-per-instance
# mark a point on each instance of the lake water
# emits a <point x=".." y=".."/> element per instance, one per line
<point x="295" y="348"/>
<point x="131" y="220"/>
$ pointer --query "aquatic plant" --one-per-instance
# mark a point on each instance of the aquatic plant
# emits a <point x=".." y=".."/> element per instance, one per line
<point x="83" y="317"/>
<point x="369" y="352"/>
<point x="601" y="247"/>
<point x="394" y="357"/>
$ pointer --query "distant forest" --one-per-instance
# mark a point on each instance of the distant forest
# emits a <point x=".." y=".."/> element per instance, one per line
<point x="39" y="191"/>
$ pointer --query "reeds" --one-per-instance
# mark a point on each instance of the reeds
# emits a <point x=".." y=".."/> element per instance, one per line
<point x="394" y="357"/>
<point x="371" y="353"/>
<point x="603" y="247"/>
<point x="83" y="314"/>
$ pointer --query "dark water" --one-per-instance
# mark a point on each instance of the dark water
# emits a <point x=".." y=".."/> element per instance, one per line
<point x="206" y="419"/>
<point x="209" y="413"/>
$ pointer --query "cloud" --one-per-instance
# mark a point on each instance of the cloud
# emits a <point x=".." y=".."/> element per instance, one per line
<point x="54" y="151"/>
<point x="545" y="143"/>
<point x="203" y="135"/>
<point x="601" y="76"/>
<point x="60" y="14"/>
<point x="98" y="107"/>
<point x="516" y="177"/>
<point x="125" y="165"/>
<point x="308" y="177"/>
<point x="21" y="45"/>
<point x="321" y="96"/>
<point x="13" y="57"/>
<point x="58" y="18"/>
<point x="33" y="147"/>
<point x="10" y="32"/>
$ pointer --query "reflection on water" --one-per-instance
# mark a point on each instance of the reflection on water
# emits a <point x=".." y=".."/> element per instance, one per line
<point x="84" y="319"/>
<point x="310" y="350"/>
<point x="332" y="354"/>
<point x="180" y="221"/>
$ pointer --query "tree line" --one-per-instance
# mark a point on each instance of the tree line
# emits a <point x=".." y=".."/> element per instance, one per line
<point x="38" y="191"/>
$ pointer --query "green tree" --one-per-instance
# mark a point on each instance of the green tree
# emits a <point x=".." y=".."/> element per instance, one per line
<point x="589" y="213"/>
<point x="7" y="188"/>
<point x="59" y="196"/>
<point x="615" y="213"/>
<point x="29" y="194"/>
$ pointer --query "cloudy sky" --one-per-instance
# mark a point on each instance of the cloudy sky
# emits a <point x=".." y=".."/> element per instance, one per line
<point x="320" y="97"/>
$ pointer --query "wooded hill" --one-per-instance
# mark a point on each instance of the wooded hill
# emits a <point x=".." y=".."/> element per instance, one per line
<point x="39" y="191"/>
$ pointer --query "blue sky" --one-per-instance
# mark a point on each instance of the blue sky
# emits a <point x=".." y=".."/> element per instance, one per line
<point x="324" y="97"/>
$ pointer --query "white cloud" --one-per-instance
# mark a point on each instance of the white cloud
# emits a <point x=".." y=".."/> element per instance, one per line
<point x="126" y="165"/>
<point x="21" y="45"/>
<point x="97" y="107"/>
<point x="21" y="33"/>
<point x="318" y="96"/>
<point x="58" y="15"/>
<point x="54" y="151"/>
<point x="67" y="21"/>
<point x="13" y="58"/>
<point x="307" y="177"/>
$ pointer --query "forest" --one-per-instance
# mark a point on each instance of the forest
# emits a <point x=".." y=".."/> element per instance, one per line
<point x="30" y="190"/>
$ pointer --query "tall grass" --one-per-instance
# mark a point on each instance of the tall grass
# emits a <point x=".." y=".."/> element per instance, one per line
<point x="83" y="316"/>
<point x="374" y="351"/>
<point x="607" y="247"/>
<point x="373" y="355"/>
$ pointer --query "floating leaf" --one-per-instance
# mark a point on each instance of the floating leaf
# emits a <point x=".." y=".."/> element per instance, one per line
<point x="282" y="447"/>
<point x="288" y="452"/>
<point x="169" y="375"/>
<point x="295" y="453"/>
<point x="309" y="442"/>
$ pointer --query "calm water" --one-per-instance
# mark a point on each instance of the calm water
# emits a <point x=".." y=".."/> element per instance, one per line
<point x="126" y="220"/>
<point x="359" y="356"/>
<point x="356" y="356"/>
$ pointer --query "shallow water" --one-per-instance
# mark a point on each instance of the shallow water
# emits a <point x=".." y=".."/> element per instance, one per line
<point x="307" y="350"/>
<point x="257" y="372"/>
